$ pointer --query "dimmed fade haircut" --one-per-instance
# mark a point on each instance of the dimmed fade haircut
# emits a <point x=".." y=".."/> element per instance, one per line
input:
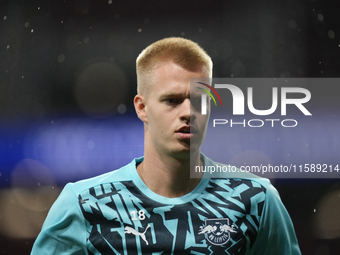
<point x="183" y="52"/>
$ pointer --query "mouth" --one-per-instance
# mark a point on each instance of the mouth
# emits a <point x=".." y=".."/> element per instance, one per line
<point x="186" y="132"/>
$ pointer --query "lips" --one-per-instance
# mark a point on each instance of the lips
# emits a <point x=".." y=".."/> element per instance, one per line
<point x="186" y="132"/>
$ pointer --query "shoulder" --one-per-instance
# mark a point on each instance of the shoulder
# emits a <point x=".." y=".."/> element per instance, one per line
<point x="122" y="174"/>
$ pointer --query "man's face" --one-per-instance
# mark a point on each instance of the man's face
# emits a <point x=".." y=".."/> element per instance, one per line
<point x="173" y="125"/>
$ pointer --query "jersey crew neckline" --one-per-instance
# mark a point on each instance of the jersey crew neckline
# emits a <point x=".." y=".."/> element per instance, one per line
<point x="144" y="189"/>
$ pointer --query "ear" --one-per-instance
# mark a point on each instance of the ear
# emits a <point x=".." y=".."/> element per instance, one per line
<point x="140" y="107"/>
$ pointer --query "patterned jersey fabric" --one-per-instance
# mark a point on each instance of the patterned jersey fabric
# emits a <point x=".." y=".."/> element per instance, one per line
<point x="116" y="213"/>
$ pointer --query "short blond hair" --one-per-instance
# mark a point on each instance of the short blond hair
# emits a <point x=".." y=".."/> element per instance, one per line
<point x="183" y="52"/>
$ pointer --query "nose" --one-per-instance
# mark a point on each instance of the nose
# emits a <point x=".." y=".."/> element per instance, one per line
<point x="187" y="113"/>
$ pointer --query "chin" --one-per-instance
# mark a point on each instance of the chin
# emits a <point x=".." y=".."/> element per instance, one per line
<point x="183" y="153"/>
<point x="187" y="152"/>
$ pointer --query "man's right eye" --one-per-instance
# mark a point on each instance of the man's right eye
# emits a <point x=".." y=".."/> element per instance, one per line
<point x="173" y="101"/>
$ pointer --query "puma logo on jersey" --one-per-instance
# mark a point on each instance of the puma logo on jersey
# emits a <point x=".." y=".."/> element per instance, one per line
<point x="129" y="230"/>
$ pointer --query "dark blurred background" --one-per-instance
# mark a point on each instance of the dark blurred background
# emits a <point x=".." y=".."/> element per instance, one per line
<point x="67" y="81"/>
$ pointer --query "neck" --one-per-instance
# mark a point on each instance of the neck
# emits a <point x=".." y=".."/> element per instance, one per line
<point x="168" y="176"/>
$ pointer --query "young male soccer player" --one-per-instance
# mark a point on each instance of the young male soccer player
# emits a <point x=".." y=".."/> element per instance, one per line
<point x="152" y="206"/>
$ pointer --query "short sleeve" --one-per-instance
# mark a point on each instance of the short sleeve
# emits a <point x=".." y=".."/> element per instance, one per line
<point x="63" y="231"/>
<point x="276" y="232"/>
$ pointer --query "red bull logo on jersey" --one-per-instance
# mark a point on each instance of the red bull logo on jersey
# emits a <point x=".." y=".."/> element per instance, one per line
<point x="217" y="231"/>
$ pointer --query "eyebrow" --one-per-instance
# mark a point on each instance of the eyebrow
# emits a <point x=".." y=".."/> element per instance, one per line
<point x="171" y="94"/>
